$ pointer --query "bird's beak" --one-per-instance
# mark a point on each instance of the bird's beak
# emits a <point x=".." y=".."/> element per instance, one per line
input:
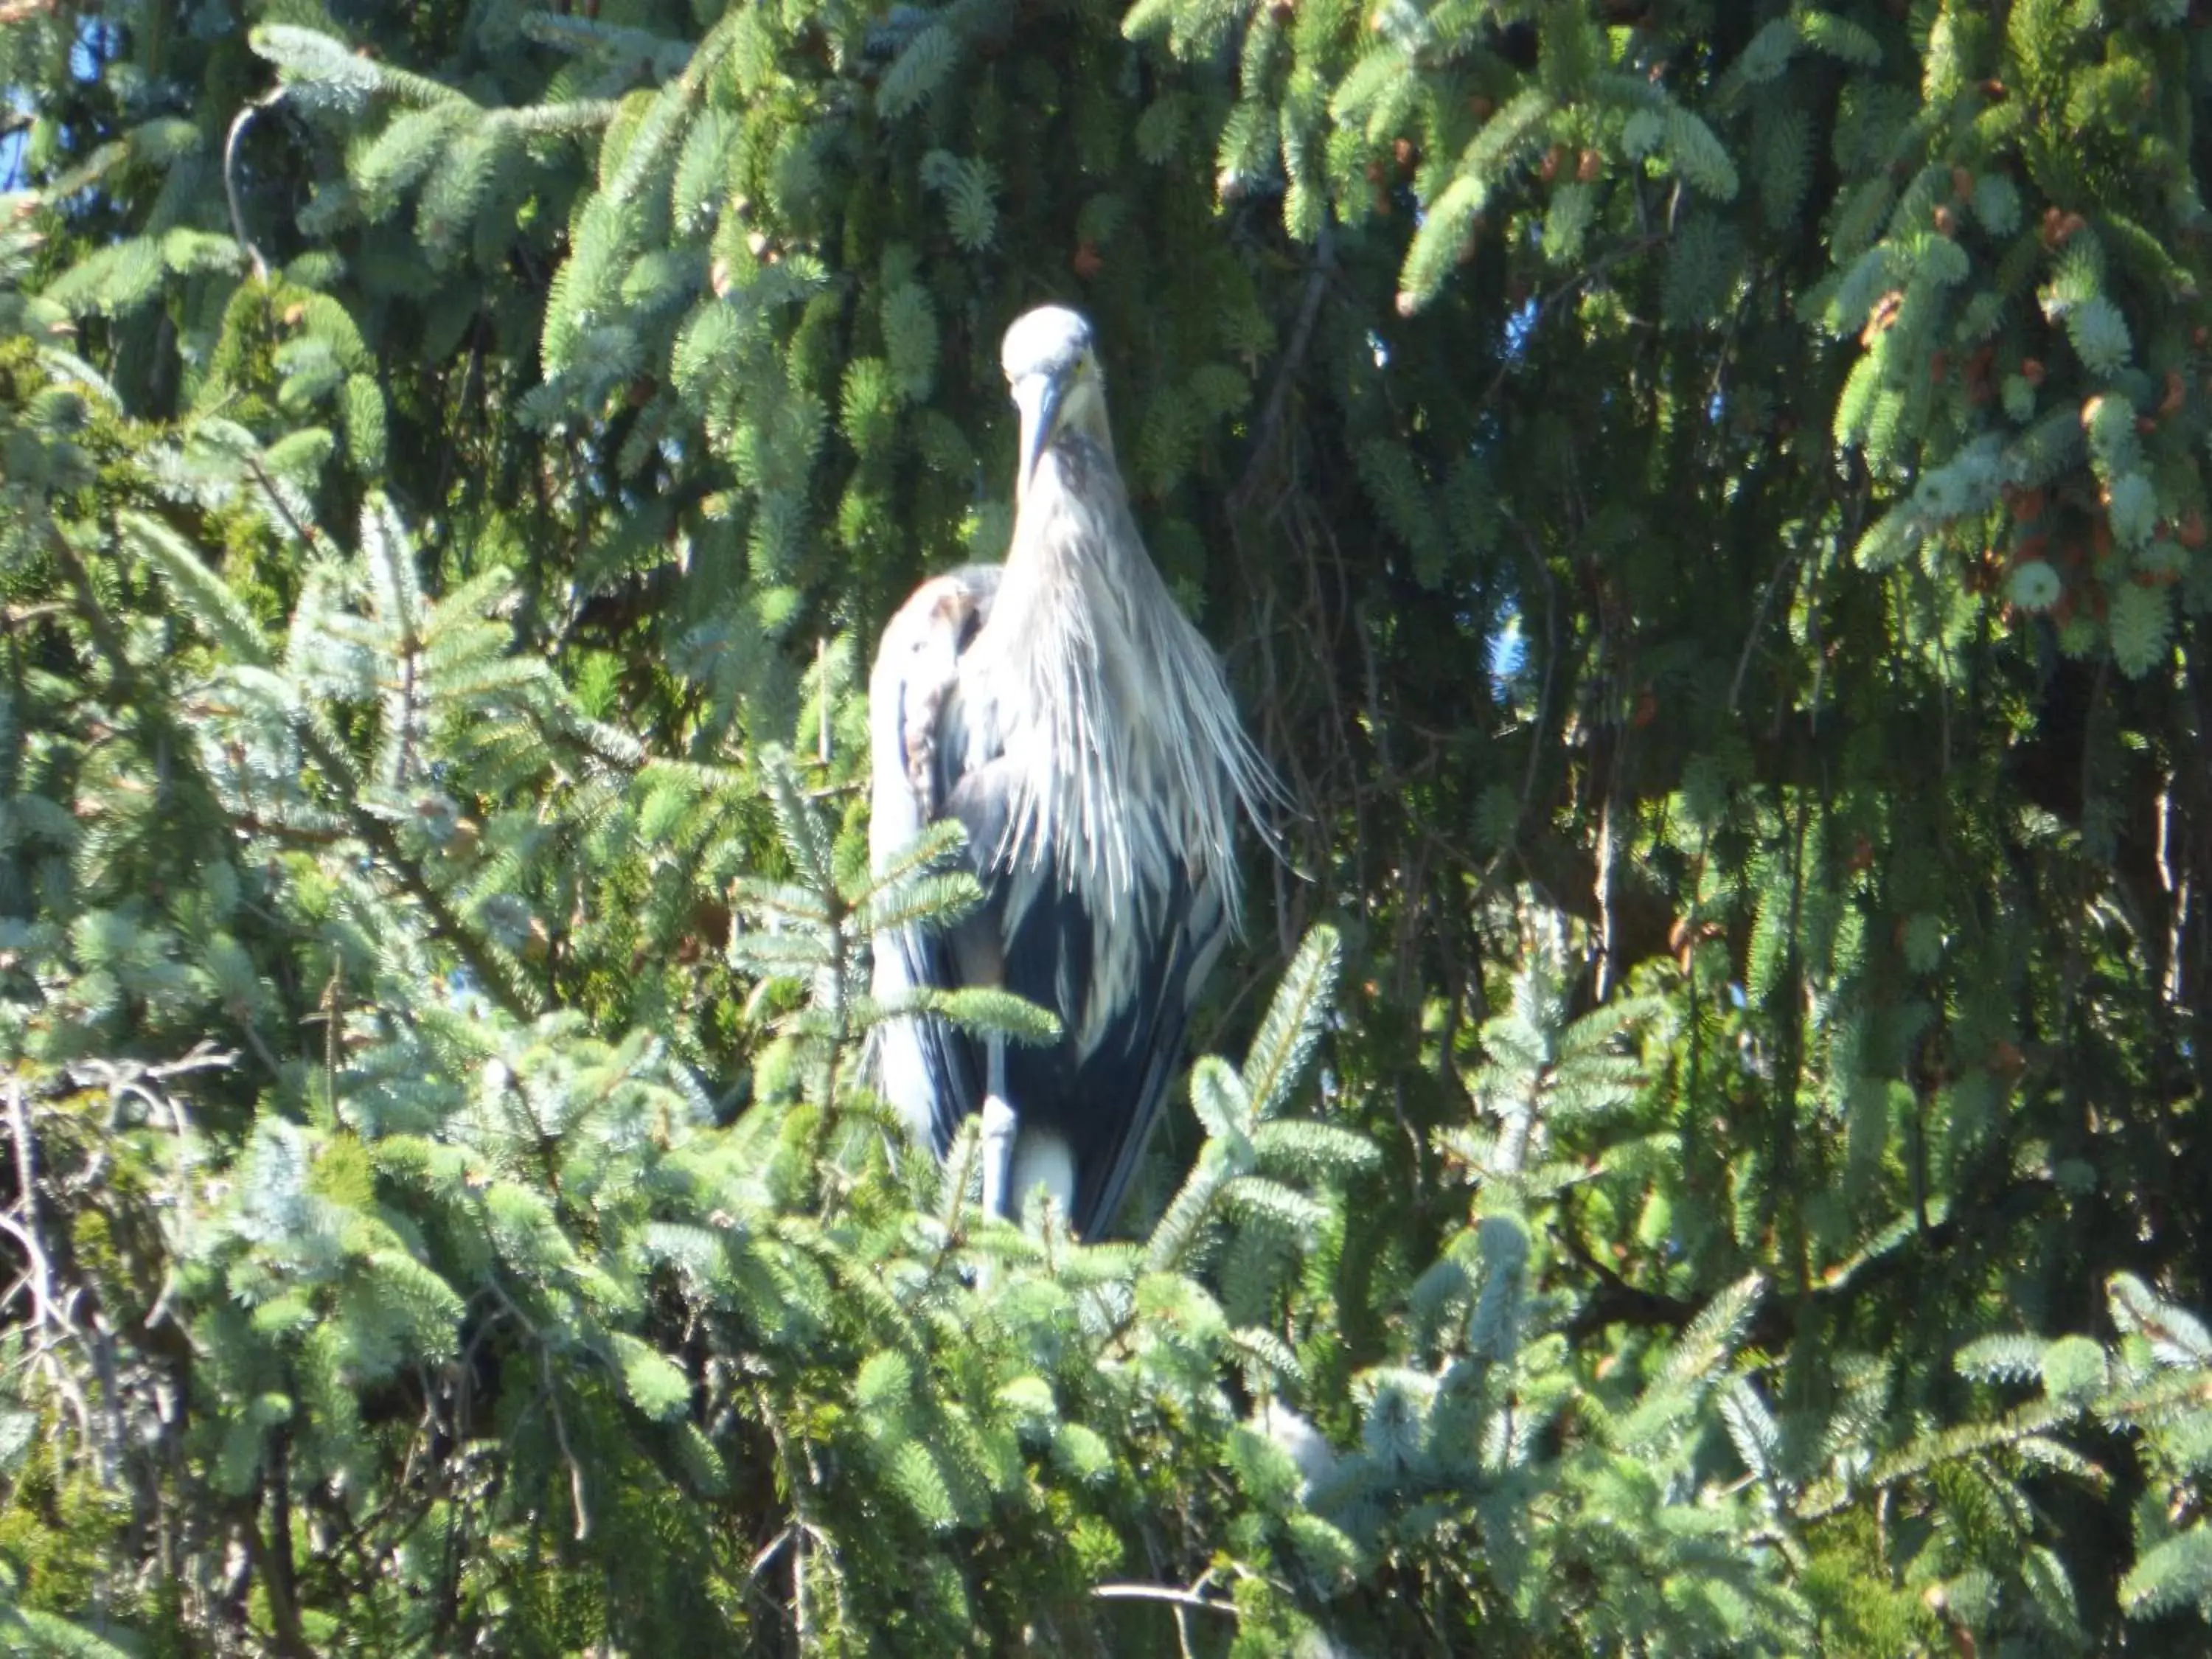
<point x="1039" y="397"/>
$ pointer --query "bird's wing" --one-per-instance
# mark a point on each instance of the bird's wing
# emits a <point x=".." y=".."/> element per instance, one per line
<point x="918" y="756"/>
<point x="1103" y="1097"/>
<point x="1181" y="965"/>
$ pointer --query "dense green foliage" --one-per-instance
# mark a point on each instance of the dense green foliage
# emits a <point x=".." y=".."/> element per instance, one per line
<point x="1704" y="504"/>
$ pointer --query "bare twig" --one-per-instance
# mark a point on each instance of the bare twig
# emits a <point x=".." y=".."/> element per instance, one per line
<point x="1294" y="351"/>
<point x="26" y="1232"/>
<point x="230" y="178"/>
<point x="553" y="1408"/>
<point x="305" y="533"/>
<point x="1759" y="621"/>
<point x="1606" y="948"/>
<point x="132" y="1077"/>
<point x="767" y="1552"/>
<point x="53" y="1323"/>
<point x="1181" y="1598"/>
<point x="279" y="1572"/>
<point x="821" y="696"/>
<point x="568" y="1454"/>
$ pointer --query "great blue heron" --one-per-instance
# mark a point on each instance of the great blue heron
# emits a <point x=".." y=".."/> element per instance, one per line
<point x="1068" y="715"/>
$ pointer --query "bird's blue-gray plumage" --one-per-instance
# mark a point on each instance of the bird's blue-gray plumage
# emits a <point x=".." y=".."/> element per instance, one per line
<point x="1064" y="710"/>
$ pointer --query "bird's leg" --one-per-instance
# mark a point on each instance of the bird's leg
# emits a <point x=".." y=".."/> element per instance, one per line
<point x="998" y="1126"/>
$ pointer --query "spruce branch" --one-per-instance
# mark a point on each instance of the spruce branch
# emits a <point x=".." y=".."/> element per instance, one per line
<point x="106" y="638"/>
<point x="382" y="839"/>
<point x="234" y="628"/>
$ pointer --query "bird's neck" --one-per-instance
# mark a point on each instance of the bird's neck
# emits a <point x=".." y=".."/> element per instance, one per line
<point x="1070" y="568"/>
<point x="1049" y="675"/>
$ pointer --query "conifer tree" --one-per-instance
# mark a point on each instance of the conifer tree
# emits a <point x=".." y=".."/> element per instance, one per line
<point x="1701" y="1153"/>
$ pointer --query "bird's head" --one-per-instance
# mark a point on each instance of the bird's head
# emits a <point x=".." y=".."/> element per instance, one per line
<point x="1053" y="374"/>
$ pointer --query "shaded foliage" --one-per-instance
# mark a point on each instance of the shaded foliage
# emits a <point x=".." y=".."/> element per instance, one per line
<point x="1704" y="504"/>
